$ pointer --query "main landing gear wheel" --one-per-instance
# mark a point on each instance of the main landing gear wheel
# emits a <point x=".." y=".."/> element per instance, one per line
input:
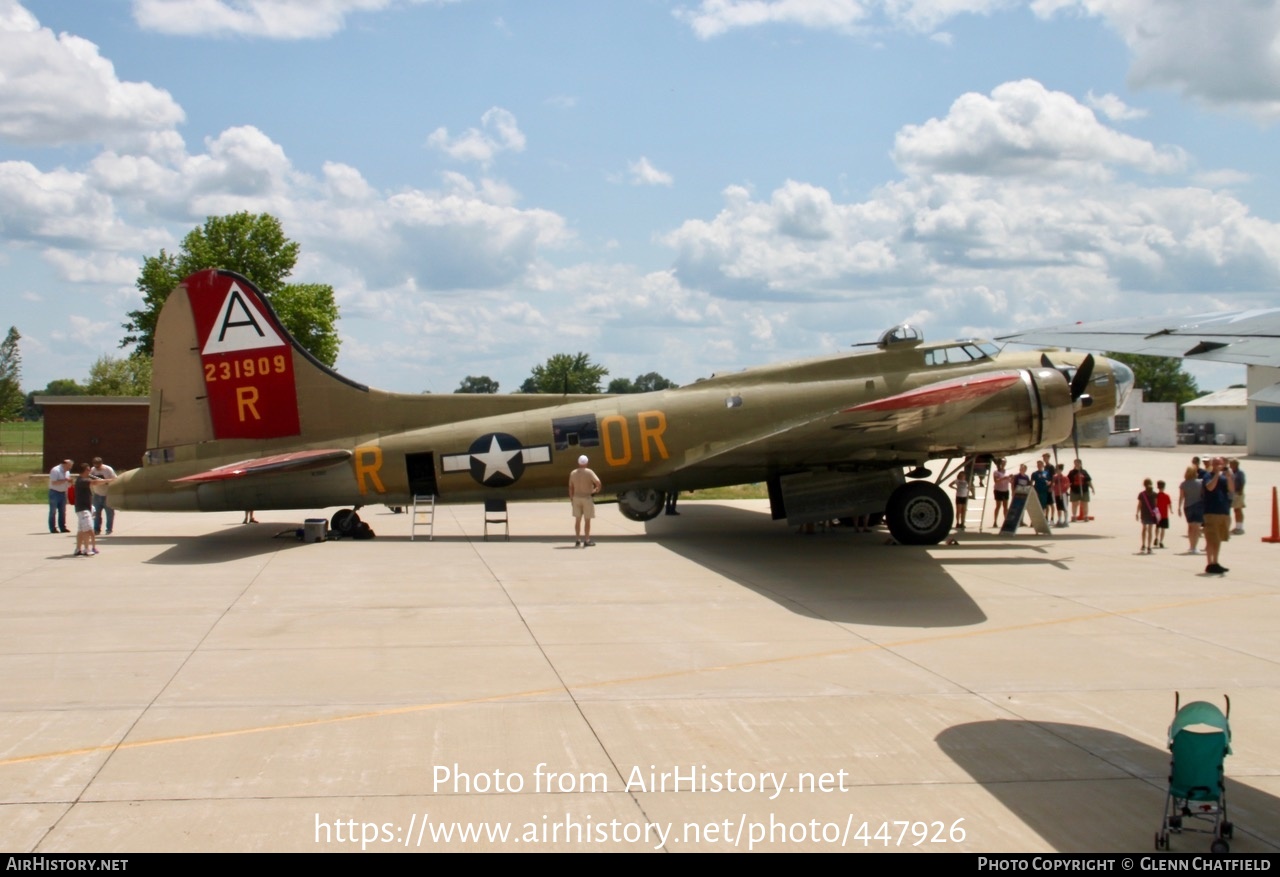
<point x="919" y="513"/>
<point x="641" y="505"/>
<point x="344" y="521"/>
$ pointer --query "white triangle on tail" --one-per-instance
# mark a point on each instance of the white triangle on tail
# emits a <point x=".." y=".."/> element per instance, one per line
<point x="240" y="326"/>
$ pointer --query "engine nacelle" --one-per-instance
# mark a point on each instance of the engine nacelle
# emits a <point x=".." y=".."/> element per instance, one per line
<point x="1033" y="412"/>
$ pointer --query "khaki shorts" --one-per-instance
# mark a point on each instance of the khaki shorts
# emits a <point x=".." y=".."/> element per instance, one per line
<point x="1237" y="501"/>
<point x="584" y="507"/>
<point x="1217" y="528"/>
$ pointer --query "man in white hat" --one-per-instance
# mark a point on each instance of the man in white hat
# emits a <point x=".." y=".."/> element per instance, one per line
<point x="583" y="485"/>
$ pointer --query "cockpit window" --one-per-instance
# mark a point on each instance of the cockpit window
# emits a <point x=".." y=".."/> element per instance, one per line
<point x="959" y="354"/>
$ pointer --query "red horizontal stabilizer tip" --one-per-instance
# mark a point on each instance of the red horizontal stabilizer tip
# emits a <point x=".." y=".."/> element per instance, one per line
<point x="297" y="461"/>
<point x="955" y="390"/>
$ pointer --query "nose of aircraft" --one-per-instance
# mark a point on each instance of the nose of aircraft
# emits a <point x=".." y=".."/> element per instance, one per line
<point x="1124" y="380"/>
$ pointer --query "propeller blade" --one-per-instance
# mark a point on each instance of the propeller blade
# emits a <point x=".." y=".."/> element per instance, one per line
<point x="1046" y="361"/>
<point x="1081" y="381"/>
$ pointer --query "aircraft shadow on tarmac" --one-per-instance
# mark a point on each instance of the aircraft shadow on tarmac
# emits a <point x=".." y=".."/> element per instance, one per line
<point x="230" y="543"/>
<point x="838" y="575"/>
<point x="1059" y="781"/>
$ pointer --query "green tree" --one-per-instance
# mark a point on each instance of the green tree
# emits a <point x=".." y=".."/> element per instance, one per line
<point x="127" y="376"/>
<point x="1161" y="377"/>
<point x="645" y="383"/>
<point x="252" y="244"/>
<point x="11" y="376"/>
<point x="651" y="381"/>
<point x="309" y="312"/>
<point x="59" y="387"/>
<point x="480" y="384"/>
<point x="565" y="373"/>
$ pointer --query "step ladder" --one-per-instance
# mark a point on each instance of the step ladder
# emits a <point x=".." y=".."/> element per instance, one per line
<point x="424" y="515"/>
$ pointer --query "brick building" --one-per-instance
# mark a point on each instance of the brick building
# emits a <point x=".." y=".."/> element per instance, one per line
<point x="83" y="427"/>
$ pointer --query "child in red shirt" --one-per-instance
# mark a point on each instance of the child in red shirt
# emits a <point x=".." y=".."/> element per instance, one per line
<point x="1163" y="504"/>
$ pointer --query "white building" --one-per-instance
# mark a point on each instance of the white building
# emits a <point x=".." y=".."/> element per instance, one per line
<point x="1264" y="412"/>
<point x="1156" y="423"/>
<point x="1226" y="411"/>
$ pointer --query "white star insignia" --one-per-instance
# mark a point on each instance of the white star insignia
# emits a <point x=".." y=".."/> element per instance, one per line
<point x="495" y="460"/>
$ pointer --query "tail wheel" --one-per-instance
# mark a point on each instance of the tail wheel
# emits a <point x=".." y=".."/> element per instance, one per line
<point x="919" y="513"/>
<point x="344" y="521"/>
<point x="641" y="505"/>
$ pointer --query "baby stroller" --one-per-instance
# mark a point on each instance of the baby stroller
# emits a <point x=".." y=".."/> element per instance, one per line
<point x="1199" y="742"/>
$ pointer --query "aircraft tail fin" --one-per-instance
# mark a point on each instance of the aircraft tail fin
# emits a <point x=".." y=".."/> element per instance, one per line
<point x="226" y="370"/>
<point x="224" y="366"/>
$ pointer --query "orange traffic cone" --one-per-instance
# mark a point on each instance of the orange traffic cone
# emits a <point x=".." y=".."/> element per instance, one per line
<point x="1275" y="520"/>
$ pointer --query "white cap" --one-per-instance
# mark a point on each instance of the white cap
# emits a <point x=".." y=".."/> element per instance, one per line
<point x="582" y="461"/>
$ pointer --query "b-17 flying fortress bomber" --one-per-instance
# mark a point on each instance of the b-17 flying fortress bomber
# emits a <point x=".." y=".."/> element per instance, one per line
<point x="242" y="417"/>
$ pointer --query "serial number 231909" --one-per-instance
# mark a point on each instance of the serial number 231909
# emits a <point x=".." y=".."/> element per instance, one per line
<point x="250" y="367"/>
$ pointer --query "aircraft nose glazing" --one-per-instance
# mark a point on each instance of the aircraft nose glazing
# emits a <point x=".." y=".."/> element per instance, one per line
<point x="1124" y="381"/>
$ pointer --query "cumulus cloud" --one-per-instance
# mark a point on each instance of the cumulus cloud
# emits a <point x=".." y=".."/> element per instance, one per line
<point x="643" y="173"/>
<point x="498" y="132"/>
<point x="60" y="208"/>
<point x="109" y="268"/>
<point x="452" y="241"/>
<point x="1221" y="56"/>
<point x="83" y="332"/>
<point x="1007" y="206"/>
<point x="712" y="18"/>
<point x="467" y="234"/>
<point x="146" y="188"/>
<point x="271" y="19"/>
<point x="58" y="89"/>
<point x="1113" y="107"/>
<point x="1023" y="128"/>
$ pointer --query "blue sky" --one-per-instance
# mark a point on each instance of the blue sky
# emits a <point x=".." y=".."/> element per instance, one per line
<point x="682" y="187"/>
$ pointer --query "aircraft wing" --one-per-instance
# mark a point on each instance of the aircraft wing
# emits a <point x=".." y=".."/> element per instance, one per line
<point x="1246" y="337"/>
<point x="297" y="461"/>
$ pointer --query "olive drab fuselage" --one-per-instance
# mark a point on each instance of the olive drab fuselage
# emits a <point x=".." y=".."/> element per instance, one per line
<point x="242" y="417"/>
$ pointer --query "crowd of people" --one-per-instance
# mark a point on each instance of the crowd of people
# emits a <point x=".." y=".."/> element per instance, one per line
<point x="83" y="486"/>
<point x="1053" y="485"/>
<point x="1210" y="497"/>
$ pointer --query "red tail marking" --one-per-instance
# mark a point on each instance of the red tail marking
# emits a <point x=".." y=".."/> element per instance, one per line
<point x="247" y="359"/>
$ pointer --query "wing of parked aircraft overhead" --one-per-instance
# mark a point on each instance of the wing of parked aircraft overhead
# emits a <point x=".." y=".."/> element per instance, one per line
<point x="1246" y="337"/>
